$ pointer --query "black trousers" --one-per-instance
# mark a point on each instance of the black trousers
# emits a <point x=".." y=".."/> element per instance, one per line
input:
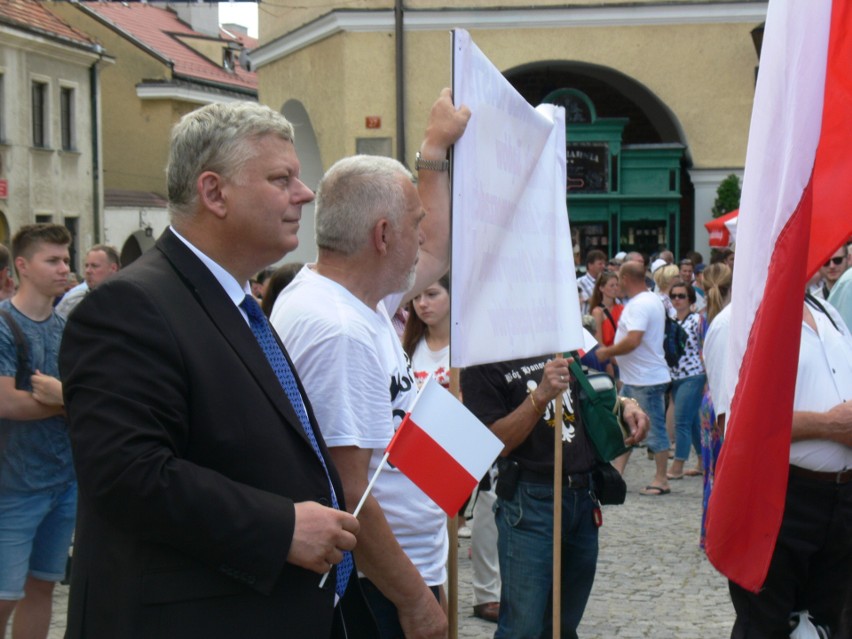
<point x="811" y="568"/>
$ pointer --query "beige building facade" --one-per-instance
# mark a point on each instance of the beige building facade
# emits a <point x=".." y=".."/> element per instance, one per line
<point x="361" y="78"/>
<point x="49" y="147"/>
<point x="164" y="68"/>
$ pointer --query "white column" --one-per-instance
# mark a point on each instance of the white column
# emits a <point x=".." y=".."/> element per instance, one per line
<point x="705" y="182"/>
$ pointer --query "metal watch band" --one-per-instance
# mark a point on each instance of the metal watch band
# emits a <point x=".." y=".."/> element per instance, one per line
<point x="431" y="165"/>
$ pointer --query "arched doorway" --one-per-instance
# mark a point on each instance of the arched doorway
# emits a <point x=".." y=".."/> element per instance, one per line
<point x="312" y="170"/>
<point x="652" y="136"/>
<point x="139" y="242"/>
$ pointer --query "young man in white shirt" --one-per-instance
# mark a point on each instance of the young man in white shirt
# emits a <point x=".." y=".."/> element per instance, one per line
<point x="638" y="348"/>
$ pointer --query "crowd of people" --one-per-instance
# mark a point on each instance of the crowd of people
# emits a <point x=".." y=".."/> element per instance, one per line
<point x="217" y="421"/>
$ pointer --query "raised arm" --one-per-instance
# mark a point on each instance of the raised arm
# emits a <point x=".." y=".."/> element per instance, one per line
<point x="446" y="125"/>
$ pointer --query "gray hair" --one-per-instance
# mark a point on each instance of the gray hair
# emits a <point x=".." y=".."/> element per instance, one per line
<point x="354" y="194"/>
<point x="217" y="137"/>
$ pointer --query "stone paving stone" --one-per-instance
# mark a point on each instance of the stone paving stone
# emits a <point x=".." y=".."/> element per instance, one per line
<point x="652" y="580"/>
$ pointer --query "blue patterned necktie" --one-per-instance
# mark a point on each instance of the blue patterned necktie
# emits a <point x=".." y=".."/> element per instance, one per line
<point x="263" y="335"/>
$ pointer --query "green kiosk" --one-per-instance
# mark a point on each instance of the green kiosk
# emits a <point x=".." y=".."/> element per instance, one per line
<point x="621" y="197"/>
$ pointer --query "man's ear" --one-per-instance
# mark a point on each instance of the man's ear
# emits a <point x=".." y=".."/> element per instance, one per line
<point x="210" y="186"/>
<point x="381" y="236"/>
<point x="21" y="265"/>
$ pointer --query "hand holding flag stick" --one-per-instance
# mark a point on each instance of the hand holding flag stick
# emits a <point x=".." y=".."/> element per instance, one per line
<point x="441" y="447"/>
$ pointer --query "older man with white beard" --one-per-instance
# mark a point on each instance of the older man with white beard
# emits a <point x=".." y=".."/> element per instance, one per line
<point x="381" y="240"/>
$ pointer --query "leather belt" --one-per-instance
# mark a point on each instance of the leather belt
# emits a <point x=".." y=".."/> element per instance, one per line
<point x="575" y="480"/>
<point x="840" y="477"/>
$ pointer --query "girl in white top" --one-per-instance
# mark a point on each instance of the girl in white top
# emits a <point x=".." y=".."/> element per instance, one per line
<point x="426" y="339"/>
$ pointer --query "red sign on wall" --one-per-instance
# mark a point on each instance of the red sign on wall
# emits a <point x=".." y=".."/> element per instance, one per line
<point x="4" y="188"/>
<point x="373" y="122"/>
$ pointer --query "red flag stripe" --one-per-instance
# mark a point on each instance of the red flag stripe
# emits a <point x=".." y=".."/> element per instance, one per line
<point x="430" y="467"/>
<point x="832" y="222"/>
<point x="758" y="437"/>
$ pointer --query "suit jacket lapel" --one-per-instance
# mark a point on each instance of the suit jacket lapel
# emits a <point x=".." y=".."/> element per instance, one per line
<point x="230" y="323"/>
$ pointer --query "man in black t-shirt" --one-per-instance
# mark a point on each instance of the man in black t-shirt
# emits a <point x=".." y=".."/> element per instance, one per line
<point x="515" y="399"/>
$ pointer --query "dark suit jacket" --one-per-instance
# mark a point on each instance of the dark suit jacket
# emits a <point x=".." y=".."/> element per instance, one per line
<point x="189" y="458"/>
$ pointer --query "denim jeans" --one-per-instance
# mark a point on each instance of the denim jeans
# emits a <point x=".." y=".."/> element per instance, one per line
<point x="35" y="535"/>
<point x="687" y="394"/>
<point x="525" y="548"/>
<point x="652" y="399"/>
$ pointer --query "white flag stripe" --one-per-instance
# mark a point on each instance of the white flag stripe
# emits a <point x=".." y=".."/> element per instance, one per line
<point x="779" y="160"/>
<point x="455" y="429"/>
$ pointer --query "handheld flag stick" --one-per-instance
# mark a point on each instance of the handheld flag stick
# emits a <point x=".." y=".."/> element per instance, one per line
<point x="557" y="516"/>
<point x="363" y="499"/>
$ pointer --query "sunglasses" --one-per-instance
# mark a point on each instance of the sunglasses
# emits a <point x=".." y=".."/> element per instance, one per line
<point x="837" y="261"/>
<point x="678" y="296"/>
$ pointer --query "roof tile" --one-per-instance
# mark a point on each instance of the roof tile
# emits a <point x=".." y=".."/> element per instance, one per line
<point x="156" y="28"/>
<point x="34" y="16"/>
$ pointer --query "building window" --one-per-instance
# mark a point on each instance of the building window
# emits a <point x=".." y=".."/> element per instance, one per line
<point x="66" y="107"/>
<point x="40" y="114"/>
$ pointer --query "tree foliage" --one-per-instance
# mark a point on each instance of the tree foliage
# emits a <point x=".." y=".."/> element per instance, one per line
<point x="727" y="196"/>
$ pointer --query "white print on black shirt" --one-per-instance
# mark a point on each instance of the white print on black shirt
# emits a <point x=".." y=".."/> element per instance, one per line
<point x="568" y="431"/>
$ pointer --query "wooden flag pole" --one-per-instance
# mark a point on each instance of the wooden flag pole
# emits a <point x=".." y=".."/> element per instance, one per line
<point x="453" y="532"/>
<point x="557" y="516"/>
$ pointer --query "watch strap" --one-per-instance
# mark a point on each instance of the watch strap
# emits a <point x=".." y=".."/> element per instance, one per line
<point x="431" y="165"/>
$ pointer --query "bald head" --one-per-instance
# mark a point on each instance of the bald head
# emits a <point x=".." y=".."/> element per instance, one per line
<point x="632" y="276"/>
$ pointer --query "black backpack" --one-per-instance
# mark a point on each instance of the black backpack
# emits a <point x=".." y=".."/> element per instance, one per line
<point x="674" y="341"/>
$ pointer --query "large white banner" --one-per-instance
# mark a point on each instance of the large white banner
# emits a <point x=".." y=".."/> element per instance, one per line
<point x="514" y="292"/>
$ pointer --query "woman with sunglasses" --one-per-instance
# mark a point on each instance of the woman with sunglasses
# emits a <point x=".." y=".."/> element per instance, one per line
<point x="688" y="379"/>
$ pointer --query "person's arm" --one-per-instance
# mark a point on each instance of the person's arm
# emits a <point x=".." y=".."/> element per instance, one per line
<point x="379" y="555"/>
<point x="21" y="405"/>
<point x="47" y="389"/>
<point x="515" y="427"/>
<point x="636" y="420"/>
<point x="834" y="425"/>
<point x="627" y="344"/>
<point x="446" y="125"/>
<point x="597" y="313"/>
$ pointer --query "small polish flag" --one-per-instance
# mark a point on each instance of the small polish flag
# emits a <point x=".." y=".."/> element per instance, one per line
<point x="443" y="448"/>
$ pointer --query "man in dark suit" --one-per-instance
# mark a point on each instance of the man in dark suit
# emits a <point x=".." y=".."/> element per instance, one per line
<point x="205" y="508"/>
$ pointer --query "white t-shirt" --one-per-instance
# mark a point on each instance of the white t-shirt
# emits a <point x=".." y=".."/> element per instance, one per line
<point x="646" y="364"/>
<point x="716" y="358"/>
<point x="824" y="380"/>
<point x="360" y="385"/>
<point x="426" y="362"/>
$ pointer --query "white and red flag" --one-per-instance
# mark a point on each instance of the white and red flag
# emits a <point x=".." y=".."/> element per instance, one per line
<point x="796" y="209"/>
<point x="443" y="448"/>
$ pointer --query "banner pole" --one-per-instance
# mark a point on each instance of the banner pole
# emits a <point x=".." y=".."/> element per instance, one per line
<point x="557" y="516"/>
<point x="453" y="532"/>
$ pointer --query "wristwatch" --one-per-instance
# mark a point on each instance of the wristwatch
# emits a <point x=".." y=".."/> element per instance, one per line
<point x="431" y="165"/>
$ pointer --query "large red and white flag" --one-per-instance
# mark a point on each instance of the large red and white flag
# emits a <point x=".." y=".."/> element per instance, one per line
<point x="796" y="209"/>
<point x="443" y="448"/>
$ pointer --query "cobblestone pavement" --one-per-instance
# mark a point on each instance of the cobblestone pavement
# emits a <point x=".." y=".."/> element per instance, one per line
<point x="652" y="579"/>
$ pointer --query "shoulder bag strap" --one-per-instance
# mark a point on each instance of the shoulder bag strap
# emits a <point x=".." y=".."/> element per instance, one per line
<point x="21" y="346"/>
<point x="609" y="317"/>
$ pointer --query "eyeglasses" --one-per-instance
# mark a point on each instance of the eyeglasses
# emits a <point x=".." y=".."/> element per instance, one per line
<point x="837" y="261"/>
<point x="678" y="296"/>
